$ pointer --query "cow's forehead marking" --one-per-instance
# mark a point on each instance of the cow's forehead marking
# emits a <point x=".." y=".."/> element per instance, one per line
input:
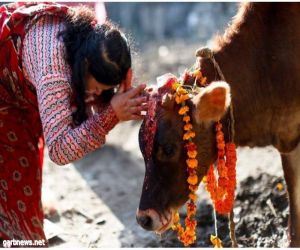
<point x="149" y="128"/>
<point x="151" y="120"/>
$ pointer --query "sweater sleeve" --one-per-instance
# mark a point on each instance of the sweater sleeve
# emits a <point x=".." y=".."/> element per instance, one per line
<point x="45" y="66"/>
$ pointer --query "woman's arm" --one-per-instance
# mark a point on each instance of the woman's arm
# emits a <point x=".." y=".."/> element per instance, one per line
<point x="45" y="67"/>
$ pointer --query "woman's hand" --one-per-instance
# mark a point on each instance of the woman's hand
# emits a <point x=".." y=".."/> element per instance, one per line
<point x="128" y="104"/>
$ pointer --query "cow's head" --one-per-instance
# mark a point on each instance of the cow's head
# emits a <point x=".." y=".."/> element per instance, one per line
<point x="165" y="187"/>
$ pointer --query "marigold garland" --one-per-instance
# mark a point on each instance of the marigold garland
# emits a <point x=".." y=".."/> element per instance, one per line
<point x="221" y="190"/>
<point x="187" y="235"/>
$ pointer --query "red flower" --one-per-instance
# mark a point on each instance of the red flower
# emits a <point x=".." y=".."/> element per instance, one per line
<point x="185" y="76"/>
<point x="170" y="82"/>
<point x="191" y="146"/>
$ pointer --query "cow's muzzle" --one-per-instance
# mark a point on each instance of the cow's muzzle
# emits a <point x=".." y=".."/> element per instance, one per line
<point x="151" y="220"/>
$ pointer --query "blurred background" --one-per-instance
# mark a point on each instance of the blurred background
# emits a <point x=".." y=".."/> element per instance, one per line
<point x="164" y="36"/>
<point x="92" y="202"/>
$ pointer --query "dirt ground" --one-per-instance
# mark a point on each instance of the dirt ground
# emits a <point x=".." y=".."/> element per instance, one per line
<point x="96" y="198"/>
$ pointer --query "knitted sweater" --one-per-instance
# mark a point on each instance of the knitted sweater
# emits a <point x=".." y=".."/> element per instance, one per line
<point x="45" y="67"/>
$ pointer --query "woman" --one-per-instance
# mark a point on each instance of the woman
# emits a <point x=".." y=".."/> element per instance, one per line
<point x="54" y="63"/>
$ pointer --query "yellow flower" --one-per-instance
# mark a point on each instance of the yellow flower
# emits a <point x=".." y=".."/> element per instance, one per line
<point x="197" y="74"/>
<point x="188" y="126"/>
<point x="186" y="118"/>
<point x="178" y="99"/>
<point x="192" y="134"/>
<point x="188" y="239"/>
<point x="192" y="163"/>
<point x="204" y="179"/>
<point x="179" y="228"/>
<point x="216" y="241"/>
<point x="181" y="91"/>
<point x="176" y="218"/>
<point x="193" y="196"/>
<point x="175" y="85"/>
<point x="181" y="98"/>
<point x="192" y="154"/>
<point x="279" y="186"/>
<point x="183" y="110"/>
<point x="185" y="97"/>
<point x="188" y="135"/>
<point x="193" y="179"/>
<point x="203" y="80"/>
<point x="190" y="232"/>
<point x="186" y="243"/>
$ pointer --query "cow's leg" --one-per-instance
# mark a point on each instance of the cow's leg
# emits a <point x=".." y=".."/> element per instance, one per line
<point x="291" y="167"/>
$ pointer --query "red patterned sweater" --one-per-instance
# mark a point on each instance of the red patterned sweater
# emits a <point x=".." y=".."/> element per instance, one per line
<point x="45" y="67"/>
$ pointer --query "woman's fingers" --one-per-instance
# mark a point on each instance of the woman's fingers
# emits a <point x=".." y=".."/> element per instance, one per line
<point x="137" y="109"/>
<point x="128" y="80"/>
<point x="130" y="104"/>
<point x="135" y="91"/>
<point x="137" y="101"/>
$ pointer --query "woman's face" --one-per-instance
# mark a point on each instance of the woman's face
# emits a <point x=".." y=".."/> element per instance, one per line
<point x="95" y="88"/>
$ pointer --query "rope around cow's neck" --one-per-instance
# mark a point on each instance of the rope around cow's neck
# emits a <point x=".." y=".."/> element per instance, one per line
<point x="208" y="54"/>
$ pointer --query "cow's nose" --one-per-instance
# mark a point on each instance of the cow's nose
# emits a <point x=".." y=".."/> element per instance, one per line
<point x="145" y="221"/>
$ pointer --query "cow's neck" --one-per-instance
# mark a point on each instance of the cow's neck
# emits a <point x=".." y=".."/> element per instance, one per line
<point x="241" y="61"/>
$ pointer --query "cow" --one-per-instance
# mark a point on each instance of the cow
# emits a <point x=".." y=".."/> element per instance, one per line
<point x="259" y="57"/>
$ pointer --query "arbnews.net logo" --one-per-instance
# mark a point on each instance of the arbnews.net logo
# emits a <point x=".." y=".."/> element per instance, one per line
<point x="23" y="243"/>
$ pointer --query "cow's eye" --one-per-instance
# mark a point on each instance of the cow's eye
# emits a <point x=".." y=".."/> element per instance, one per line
<point x="168" y="150"/>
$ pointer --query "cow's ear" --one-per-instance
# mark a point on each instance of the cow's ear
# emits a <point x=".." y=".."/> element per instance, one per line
<point x="212" y="102"/>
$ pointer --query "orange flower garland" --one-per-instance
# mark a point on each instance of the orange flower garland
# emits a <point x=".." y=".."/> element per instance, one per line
<point x="221" y="190"/>
<point x="187" y="235"/>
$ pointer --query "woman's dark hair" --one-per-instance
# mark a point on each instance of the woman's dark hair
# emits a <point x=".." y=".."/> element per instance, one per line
<point x="101" y="50"/>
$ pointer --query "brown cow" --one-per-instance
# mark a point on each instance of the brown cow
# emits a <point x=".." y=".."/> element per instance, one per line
<point x="259" y="57"/>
